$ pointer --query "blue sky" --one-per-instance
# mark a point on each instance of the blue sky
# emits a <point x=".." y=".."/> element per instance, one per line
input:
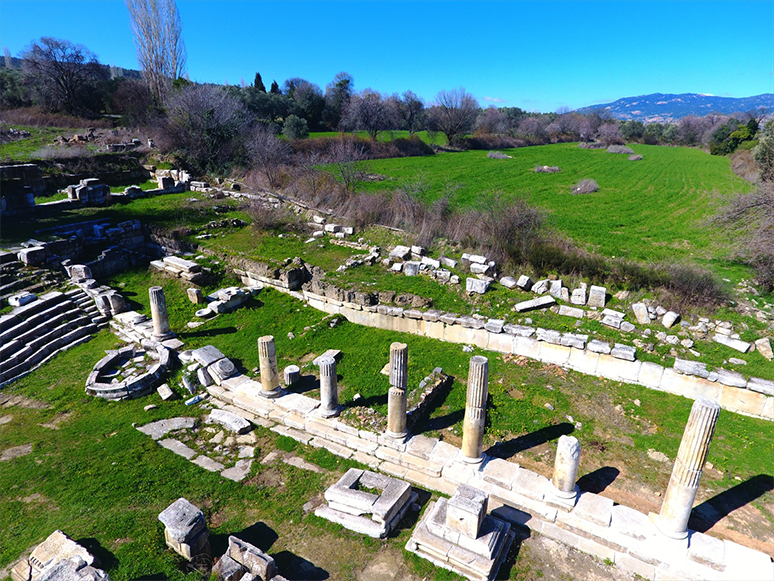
<point x="534" y="55"/>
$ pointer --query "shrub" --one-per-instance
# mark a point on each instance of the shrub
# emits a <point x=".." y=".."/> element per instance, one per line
<point x="497" y="155"/>
<point x="619" y="149"/>
<point x="635" y="157"/>
<point x="295" y="128"/>
<point x="546" y="169"/>
<point x="586" y="186"/>
<point x="591" y="145"/>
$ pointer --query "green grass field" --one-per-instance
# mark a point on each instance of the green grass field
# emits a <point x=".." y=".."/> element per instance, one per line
<point x="653" y="209"/>
<point x="430" y="139"/>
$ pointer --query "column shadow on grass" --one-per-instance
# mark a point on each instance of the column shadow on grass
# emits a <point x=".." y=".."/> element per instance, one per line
<point x="411" y="518"/>
<point x="107" y="560"/>
<point x="707" y="514"/>
<point x="306" y="383"/>
<point x="208" y="333"/>
<point x="258" y="534"/>
<point x="527" y="441"/>
<point x="295" y="568"/>
<point x="598" y="480"/>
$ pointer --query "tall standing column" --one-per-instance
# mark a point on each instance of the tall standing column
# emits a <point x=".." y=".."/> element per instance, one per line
<point x="563" y="488"/>
<point x="329" y="388"/>
<point x="396" y="397"/>
<point x="267" y="361"/>
<point x="475" y="410"/>
<point x="158" y="304"/>
<point x="694" y="447"/>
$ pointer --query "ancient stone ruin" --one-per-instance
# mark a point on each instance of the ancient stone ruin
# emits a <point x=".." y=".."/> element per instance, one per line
<point x="58" y="558"/>
<point x="368" y="503"/>
<point x="457" y="534"/>
<point x="185" y="529"/>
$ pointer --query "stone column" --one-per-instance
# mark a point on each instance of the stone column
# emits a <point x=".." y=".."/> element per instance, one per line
<point x="158" y="304"/>
<point x="329" y="388"/>
<point x="475" y="410"/>
<point x="396" y="397"/>
<point x="563" y="486"/>
<point x="694" y="447"/>
<point x="292" y="375"/>
<point x="267" y="359"/>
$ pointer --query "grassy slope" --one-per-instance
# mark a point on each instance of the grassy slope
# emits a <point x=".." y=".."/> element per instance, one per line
<point x="651" y="209"/>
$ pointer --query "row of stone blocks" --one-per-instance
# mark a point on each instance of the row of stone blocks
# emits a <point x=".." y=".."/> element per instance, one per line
<point x="36" y="331"/>
<point x="567" y="350"/>
<point x="593" y="524"/>
<point x="180" y="267"/>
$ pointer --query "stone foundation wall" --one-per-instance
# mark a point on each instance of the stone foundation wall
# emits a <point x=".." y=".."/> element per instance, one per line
<point x="755" y="399"/>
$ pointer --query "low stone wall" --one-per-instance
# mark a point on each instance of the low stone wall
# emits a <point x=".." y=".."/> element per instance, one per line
<point x="755" y="399"/>
<point x="128" y="389"/>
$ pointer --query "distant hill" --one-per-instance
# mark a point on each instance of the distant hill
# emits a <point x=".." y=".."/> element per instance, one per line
<point x="661" y="107"/>
<point x="16" y="63"/>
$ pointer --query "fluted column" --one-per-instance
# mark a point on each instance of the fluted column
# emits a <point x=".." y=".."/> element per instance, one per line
<point x="158" y="305"/>
<point x="684" y="482"/>
<point x="475" y="409"/>
<point x="267" y="361"/>
<point x="329" y="387"/>
<point x="396" y="397"/>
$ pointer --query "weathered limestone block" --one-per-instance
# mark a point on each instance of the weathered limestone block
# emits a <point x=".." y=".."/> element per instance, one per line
<point x="597" y="296"/>
<point x="524" y="283"/>
<point x="508" y="282"/>
<point x="57" y="548"/>
<point x="641" y="313"/>
<point x="475" y="285"/>
<point x="578" y="296"/>
<point x="763" y="346"/>
<point x="538" y="303"/>
<point x="230" y="421"/>
<point x="252" y="558"/>
<point x="185" y="529"/>
<point x="292" y="375"/>
<point x="737" y="344"/>
<point x="567" y="311"/>
<point x="669" y="319"/>
<point x="196" y="296"/>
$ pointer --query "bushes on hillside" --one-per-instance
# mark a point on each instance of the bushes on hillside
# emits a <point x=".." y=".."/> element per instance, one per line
<point x="586" y="186"/>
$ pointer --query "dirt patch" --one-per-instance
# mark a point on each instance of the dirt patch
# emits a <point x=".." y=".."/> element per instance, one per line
<point x="269" y="477"/>
<point x="386" y="566"/>
<point x="9" y="400"/>
<point x="15" y="452"/>
<point x="53" y="424"/>
<point x="307" y="358"/>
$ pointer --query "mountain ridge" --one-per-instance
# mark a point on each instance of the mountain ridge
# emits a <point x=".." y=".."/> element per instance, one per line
<point x="669" y="107"/>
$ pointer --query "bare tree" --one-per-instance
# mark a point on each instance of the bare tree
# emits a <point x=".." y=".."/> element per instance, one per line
<point x="268" y="154"/>
<point x="347" y="163"/>
<point x="61" y="72"/>
<point x="337" y="95"/>
<point x="454" y="113"/>
<point x="206" y="126"/>
<point x="492" y="121"/>
<point x="369" y="112"/>
<point x="763" y="153"/>
<point x="751" y="218"/>
<point x="159" y="42"/>
<point x="409" y="109"/>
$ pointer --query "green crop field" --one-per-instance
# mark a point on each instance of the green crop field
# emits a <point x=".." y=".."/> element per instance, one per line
<point x="653" y="209"/>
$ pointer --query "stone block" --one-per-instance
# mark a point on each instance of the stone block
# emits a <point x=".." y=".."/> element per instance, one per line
<point x="731" y="378"/>
<point x="208" y="463"/>
<point x="230" y="421"/>
<point x="594" y="508"/>
<point x="475" y="285"/>
<point x="578" y="296"/>
<point x="584" y="361"/>
<point x="641" y="313"/>
<point x="597" y="346"/>
<point x="466" y="510"/>
<point x="575" y="312"/>
<point x="556" y="354"/>
<point x="631" y="523"/>
<point x="625" y="352"/>
<point x="527" y="347"/>
<point x="182" y="521"/>
<point x="686" y="367"/>
<point x="494" y="325"/>
<point x="763" y="346"/>
<point x="500" y="472"/>
<point x="575" y="340"/>
<point x="252" y="558"/>
<point x="618" y="369"/>
<point x="764" y="386"/>
<point x="421" y="446"/>
<point x="178" y="448"/>
<point x="165" y="392"/>
<point x="706" y="550"/>
<point x="508" y="282"/>
<point x="745" y="563"/>
<point x="669" y="319"/>
<point x="529" y="484"/>
<point x="736" y="344"/>
<point x="629" y="563"/>
<point x="650" y="374"/>
<point x="227" y="569"/>
<point x="160" y="428"/>
<point x="538" y="303"/>
<point x="205" y="356"/>
<point x="520" y="330"/>
<point x="524" y="283"/>
<point x="597" y="297"/>
<point x="411" y="268"/>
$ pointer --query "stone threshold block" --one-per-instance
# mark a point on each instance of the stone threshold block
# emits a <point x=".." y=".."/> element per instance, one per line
<point x="352" y="504"/>
<point x="185" y="529"/>
<point x="478" y="559"/>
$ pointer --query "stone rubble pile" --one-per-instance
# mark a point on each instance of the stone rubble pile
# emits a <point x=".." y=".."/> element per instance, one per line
<point x="58" y="558"/>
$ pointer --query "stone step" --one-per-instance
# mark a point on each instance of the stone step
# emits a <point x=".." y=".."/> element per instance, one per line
<point x="30" y="348"/>
<point x="100" y="320"/>
<point x="46" y="352"/>
<point x="27" y="327"/>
